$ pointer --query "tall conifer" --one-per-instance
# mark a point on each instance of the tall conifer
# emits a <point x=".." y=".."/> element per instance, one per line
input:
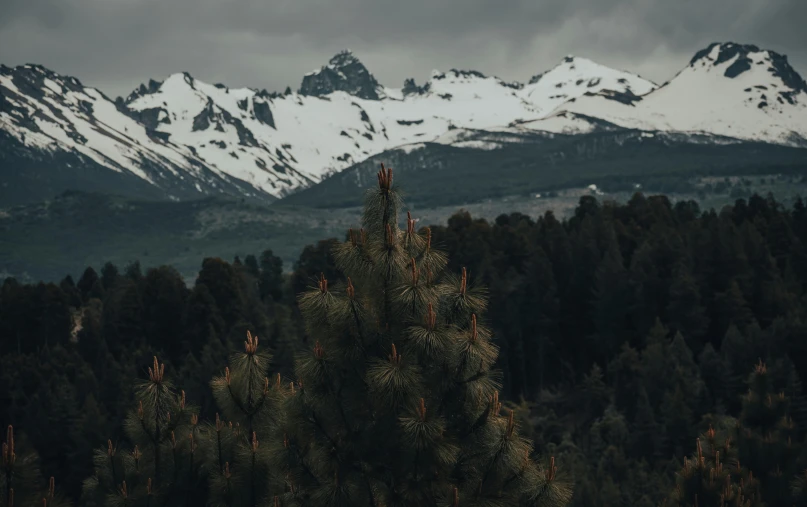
<point x="397" y="403"/>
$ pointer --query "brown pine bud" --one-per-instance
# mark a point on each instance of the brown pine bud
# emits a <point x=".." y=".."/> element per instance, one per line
<point x="431" y="318"/>
<point x="157" y="371"/>
<point x="552" y="470"/>
<point x="422" y="410"/>
<point x="385" y="178"/>
<point x="394" y="357"/>
<point x="511" y="424"/>
<point x="464" y="281"/>
<point x="9" y="454"/>
<point x="495" y="404"/>
<point x="351" y="291"/>
<point x="251" y="344"/>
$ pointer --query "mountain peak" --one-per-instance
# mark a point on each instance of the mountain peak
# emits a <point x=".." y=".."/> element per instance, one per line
<point x="32" y="76"/>
<point x="342" y="59"/>
<point x="719" y="52"/>
<point x="742" y="58"/>
<point x="345" y="73"/>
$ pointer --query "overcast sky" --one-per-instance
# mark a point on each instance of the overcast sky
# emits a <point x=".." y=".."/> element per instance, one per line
<point x="116" y="44"/>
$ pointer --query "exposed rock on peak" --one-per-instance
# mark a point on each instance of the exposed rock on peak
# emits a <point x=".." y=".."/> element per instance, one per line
<point x="411" y="88"/>
<point x="344" y="58"/>
<point x="144" y="89"/>
<point x="745" y="57"/>
<point x="346" y="73"/>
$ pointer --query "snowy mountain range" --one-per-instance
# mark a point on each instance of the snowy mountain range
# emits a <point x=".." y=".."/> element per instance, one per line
<point x="182" y="138"/>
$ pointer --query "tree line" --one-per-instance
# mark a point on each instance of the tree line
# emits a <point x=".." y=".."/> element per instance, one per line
<point x="655" y="351"/>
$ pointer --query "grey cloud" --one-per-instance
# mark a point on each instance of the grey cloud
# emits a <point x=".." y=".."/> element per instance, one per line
<point x="116" y="44"/>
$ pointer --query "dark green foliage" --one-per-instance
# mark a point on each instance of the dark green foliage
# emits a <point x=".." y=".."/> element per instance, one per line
<point x="587" y="314"/>
<point x="20" y="481"/>
<point x="163" y="465"/>
<point x="767" y="438"/>
<point x="397" y="403"/>
<point x="239" y="464"/>
<point x="270" y="276"/>
<point x="713" y="476"/>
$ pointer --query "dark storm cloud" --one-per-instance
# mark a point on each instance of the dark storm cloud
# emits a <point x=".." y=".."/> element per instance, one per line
<point x="115" y="44"/>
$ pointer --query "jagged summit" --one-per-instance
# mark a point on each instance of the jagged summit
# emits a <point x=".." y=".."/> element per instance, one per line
<point x="144" y="89"/>
<point x="345" y="73"/>
<point x="744" y="58"/>
<point x="728" y="89"/>
<point x="342" y="59"/>
<point x="184" y="137"/>
<point x="37" y="72"/>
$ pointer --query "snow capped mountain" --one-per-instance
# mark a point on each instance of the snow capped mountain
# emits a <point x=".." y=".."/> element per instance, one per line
<point x="222" y="127"/>
<point x="727" y="89"/>
<point x="340" y="116"/>
<point x="43" y="114"/>
<point x="185" y="137"/>
<point x="575" y="77"/>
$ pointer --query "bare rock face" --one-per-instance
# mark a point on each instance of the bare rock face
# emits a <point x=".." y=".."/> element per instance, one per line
<point x="345" y="73"/>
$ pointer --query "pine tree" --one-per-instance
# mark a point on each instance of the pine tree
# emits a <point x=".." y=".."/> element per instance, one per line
<point x="397" y="403"/>
<point x="20" y="481"/>
<point x="713" y="477"/>
<point x="164" y="465"/>
<point x="766" y="437"/>
<point x="238" y="462"/>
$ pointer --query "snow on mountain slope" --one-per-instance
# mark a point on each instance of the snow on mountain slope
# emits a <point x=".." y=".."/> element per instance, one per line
<point x="43" y="111"/>
<point x="565" y="122"/>
<point x="575" y="77"/>
<point x="222" y="127"/>
<point x="188" y="137"/>
<point x="340" y="116"/>
<point x="47" y="113"/>
<point x="727" y="89"/>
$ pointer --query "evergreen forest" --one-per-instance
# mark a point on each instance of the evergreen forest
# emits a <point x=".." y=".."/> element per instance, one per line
<point x="645" y="353"/>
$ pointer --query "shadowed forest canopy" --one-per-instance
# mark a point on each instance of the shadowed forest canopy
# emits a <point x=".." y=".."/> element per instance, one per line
<point x="633" y="339"/>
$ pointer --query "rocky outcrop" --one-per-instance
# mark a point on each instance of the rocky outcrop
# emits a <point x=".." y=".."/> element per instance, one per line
<point x="345" y="73"/>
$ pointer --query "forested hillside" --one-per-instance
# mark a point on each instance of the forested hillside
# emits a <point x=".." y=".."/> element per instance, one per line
<point x="625" y="333"/>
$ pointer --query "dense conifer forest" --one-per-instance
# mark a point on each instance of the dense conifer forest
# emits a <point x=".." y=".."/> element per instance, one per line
<point x="643" y="354"/>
